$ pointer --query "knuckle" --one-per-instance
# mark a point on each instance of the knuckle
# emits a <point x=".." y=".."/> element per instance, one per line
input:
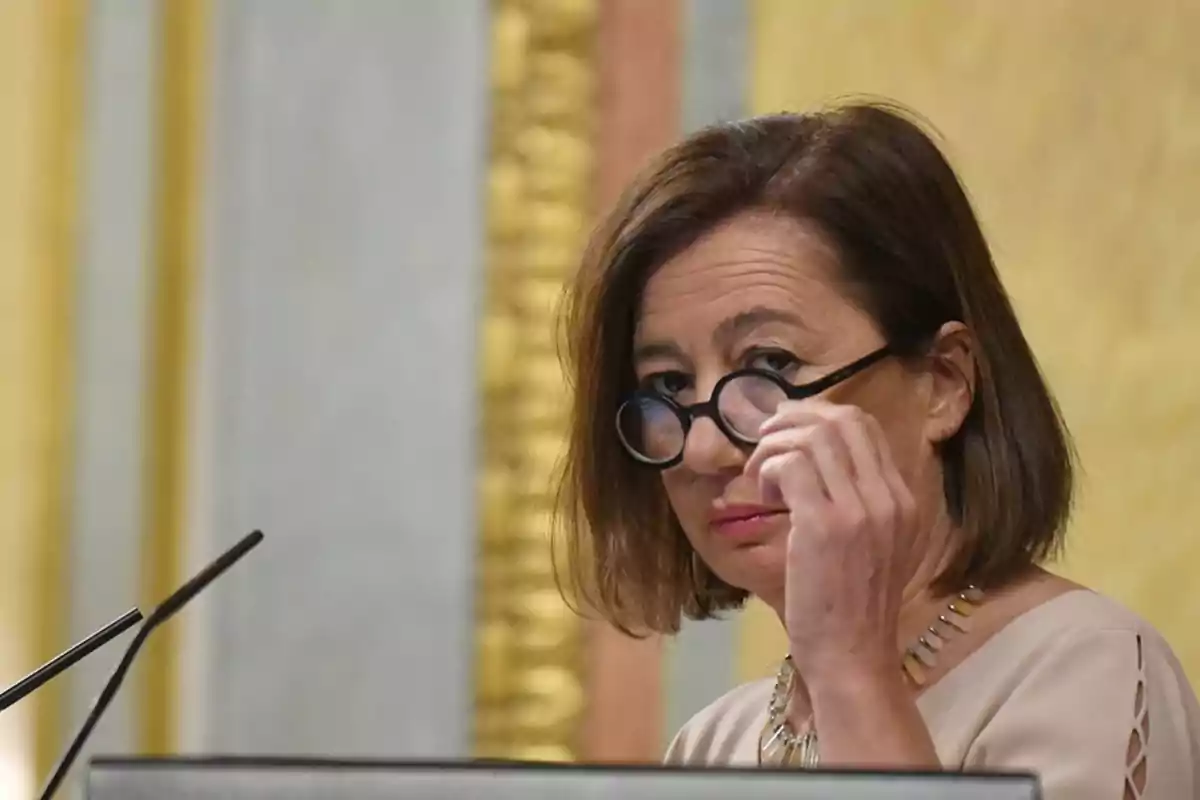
<point x="772" y="466"/>
<point x="787" y="408"/>
<point x="855" y="519"/>
<point x="887" y="511"/>
<point x="790" y="464"/>
<point x="898" y="510"/>
<point x="844" y="419"/>
<point x="809" y="439"/>
<point x="766" y="467"/>
<point x="848" y="412"/>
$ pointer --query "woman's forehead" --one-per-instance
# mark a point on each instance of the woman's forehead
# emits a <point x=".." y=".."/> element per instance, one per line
<point x="764" y="266"/>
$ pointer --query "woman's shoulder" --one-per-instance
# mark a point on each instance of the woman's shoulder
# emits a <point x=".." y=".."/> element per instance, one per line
<point x="1071" y="689"/>
<point x="1059" y="633"/>
<point x="1081" y="613"/>
<point x="722" y="731"/>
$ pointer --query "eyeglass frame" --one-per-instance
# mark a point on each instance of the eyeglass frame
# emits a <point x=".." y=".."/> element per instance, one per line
<point x="687" y="414"/>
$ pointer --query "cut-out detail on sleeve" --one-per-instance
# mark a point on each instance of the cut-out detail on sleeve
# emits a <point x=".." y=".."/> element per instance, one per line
<point x="1139" y="735"/>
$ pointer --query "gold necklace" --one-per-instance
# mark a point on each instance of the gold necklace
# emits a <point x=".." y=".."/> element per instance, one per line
<point x="780" y="745"/>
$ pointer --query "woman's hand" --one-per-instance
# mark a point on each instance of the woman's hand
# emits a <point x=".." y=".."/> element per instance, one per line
<point x="852" y="540"/>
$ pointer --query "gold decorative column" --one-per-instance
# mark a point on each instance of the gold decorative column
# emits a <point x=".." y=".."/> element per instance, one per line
<point x="182" y="102"/>
<point x="529" y="695"/>
<point x="41" y="101"/>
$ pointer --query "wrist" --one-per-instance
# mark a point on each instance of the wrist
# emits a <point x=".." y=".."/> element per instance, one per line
<point x="845" y="663"/>
<point x="850" y="674"/>
<point x="864" y="708"/>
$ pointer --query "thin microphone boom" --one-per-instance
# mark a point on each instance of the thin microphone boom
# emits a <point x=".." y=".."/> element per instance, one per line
<point x="50" y="670"/>
<point x="157" y="617"/>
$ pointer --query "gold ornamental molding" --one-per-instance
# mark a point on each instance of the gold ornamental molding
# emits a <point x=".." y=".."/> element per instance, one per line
<point x="183" y="70"/>
<point x="64" y="138"/>
<point x="529" y="683"/>
<point x="41" y="110"/>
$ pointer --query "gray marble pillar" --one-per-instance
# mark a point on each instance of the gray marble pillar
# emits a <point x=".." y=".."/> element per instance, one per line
<point x="337" y="401"/>
<point x="110" y="317"/>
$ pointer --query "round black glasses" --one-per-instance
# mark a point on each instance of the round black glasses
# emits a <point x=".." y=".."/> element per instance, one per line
<point x="653" y="428"/>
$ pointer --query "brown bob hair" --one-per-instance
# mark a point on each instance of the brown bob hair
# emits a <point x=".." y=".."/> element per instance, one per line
<point x="911" y="253"/>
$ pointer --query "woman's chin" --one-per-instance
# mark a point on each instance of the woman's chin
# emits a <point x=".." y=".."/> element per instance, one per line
<point x="757" y="567"/>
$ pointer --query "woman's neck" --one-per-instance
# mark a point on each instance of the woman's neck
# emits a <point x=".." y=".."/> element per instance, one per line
<point x="919" y="602"/>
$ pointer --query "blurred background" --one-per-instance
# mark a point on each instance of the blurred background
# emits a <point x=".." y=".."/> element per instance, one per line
<point x="293" y="264"/>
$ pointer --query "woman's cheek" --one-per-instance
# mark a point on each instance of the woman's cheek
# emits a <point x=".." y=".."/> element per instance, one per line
<point x="683" y="504"/>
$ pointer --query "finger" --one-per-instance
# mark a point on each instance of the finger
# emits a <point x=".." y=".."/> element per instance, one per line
<point x="832" y="461"/>
<point x="777" y="443"/>
<point x="791" y="479"/>
<point x="849" y="419"/>
<point x="904" y="512"/>
<point x="862" y="447"/>
<point x="792" y="413"/>
<point x="889" y="473"/>
<point x="882" y="448"/>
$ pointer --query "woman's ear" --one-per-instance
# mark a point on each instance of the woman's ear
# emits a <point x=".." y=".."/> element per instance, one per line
<point x="951" y="364"/>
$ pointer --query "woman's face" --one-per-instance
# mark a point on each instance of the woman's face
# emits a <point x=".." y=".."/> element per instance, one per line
<point x="761" y="291"/>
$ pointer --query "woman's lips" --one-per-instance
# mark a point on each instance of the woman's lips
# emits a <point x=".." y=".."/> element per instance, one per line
<point x="743" y="521"/>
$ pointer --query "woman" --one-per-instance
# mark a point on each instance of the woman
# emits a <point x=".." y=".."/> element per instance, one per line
<point x="798" y="377"/>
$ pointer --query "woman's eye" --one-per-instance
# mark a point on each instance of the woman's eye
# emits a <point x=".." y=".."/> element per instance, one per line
<point x="668" y="384"/>
<point x="778" y="361"/>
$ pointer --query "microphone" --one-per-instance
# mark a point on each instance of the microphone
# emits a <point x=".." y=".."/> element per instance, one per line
<point x="50" y="670"/>
<point x="157" y="617"/>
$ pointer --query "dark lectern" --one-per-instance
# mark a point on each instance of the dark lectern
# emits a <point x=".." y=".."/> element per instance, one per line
<point x="291" y="779"/>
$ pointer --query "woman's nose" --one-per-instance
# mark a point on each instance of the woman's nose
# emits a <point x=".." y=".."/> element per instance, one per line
<point x="708" y="451"/>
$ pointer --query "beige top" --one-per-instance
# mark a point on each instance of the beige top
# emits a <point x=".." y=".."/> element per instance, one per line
<point x="1078" y="690"/>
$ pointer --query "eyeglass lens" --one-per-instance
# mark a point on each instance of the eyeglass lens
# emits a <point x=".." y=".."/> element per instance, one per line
<point x="654" y="431"/>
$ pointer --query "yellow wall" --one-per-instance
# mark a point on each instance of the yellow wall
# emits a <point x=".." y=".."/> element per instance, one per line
<point x="1076" y="127"/>
<point x="38" y="126"/>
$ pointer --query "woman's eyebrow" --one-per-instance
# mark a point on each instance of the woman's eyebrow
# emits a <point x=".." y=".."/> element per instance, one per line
<point x="647" y="351"/>
<point x="733" y="328"/>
